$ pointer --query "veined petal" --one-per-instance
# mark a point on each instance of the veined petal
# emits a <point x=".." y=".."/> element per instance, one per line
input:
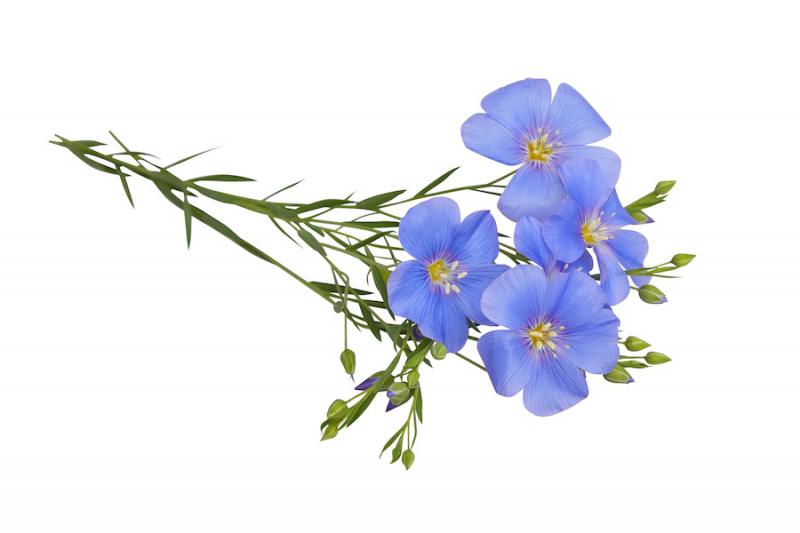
<point x="614" y="214"/>
<point x="408" y="289"/>
<point x="562" y="232"/>
<point x="576" y="120"/>
<point x="521" y="106"/>
<point x="515" y="297"/>
<point x="443" y="320"/>
<point x="593" y="346"/>
<point x="475" y="240"/>
<point x="575" y="299"/>
<point x="613" y="279"/>
<point x="583" y="181"/>
<point x="609" y="161"/>
<point x="630" y="248"/>
<point x="532" y="191"/>
<point x="556" y="384"/>
<point x="486" y="136"/>
<point x="528" y="240"/>
<point x="585" y="263"/>
<point x="508" y="361"/>
<point x="471" y="289"/>
<point x="428" y="228"/>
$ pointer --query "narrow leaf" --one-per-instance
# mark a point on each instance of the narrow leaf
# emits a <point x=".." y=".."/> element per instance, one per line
<point x="432" y="185"/>
<point x="379" y="199"/>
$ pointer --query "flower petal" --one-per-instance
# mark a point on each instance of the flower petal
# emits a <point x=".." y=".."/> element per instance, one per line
<point x="486" y="136"/>
<point x="614" y="214"/>
<point x="515" y="297"/>
<point x="609" y="161"/>
<point x="532" y="191"/>
<point x="475" y="241"/>
<point x="529" y="241"/>
<point x="508" y="361"/>
<point x="427" y="229"/>
<point x="556" y="384"/>
<point x="562" y="232"/>
<point x="408" y="287"/>
<point x="471" y="290"/>
<point x="613" y="279"/>
<point x="584" y="263"/>
<point x="521" y="106"/>
<point x="593" y="346"/>
<point x="444" y="321"/>
<point x="576" y="120"/>
<point x="630" y="248"/>
<point x="575" y="298"/>
<point x="583" y="181"/>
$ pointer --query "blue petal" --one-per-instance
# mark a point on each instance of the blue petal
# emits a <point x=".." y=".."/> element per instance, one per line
<point x="529" y="241"/>
<point x="471" y="290"/>
<point x="576" y="120"/>
<point x="484" y="135"/>
<point x="583" y="181"/>
<point x="556" y="384"/>
<point x="575" y="298"/>
<point x="444" y="321"/>
<point x="475" y="240"/>
<point x="609" y="161"/>
<point x="593" y="346"/>
<point x="508" y="361"/>
<point x="630" y="248"/>
<point x="532" y="191"/>
<point x="408" y="286"/>
<point x="428" y="228"/>
<point x="516" y="297"/>
<point x="613" y="279"/>
<point x="521" y="106"/>
<point x="562" y="233"/>
<point x="614" y="214"/>
<point x="585" y="263"/>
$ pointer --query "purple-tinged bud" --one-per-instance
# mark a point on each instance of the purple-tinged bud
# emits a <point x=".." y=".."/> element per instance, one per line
<point x="367" y="383"/>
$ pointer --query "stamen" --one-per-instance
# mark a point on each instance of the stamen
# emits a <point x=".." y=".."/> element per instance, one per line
<point x="445" y="275"/>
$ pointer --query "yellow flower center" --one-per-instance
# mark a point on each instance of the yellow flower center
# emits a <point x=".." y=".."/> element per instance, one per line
<point x="542" y="335"/>
<point x="445" y="275"/>
<point x="541" y="149"/>
<point x="593" y="231"/>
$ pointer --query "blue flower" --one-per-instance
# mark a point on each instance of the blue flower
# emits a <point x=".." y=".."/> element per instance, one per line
<point x="440" y="289"/>
<point x="593" y="217"/>
<point x="522" y="126"/>
<point x="530" y="242"/>
<point x="558" y="327"/>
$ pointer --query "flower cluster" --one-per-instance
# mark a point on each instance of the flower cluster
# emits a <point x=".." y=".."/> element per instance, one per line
<point x="570" y="258"/>
<point x="557" y="320"/>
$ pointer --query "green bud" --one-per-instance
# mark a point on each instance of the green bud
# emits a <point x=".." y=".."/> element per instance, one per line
<point x="618" y="375"/>
<point x="338" y="306"/>
<point x="400" y="392"/>
<point x="408" y="459"/>
<point x="348" y="359"/>
<point x="663" y="187"/>
<point x="329" y="432"/>
<point x="640" y="217"/>
<point x="681" y="260"/>
<point x="337" y="410"/>
<point x="651" y="294"/>
<point x="656" y="358"/>
<point x="635" y="344"/>
<point x="632" y="363"/>
<point x="438" y="351"/>
<point x="413" y="378"/>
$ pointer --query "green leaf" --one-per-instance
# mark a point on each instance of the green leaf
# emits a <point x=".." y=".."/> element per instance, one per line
<point x="319" y="204"/>
<point x="185" y="159"/>
<point x="418" y="402"/>
<point x="358" y="409"/>
<point x="397" y="450"/>
<point x="330" y="287"/>
<point x="282" y="189"/>
<point x="438" y="181"/>
<point x="379" y="199"/>
<point x="125" y="187"/>
<point x="311" y="241"/>
<point x="187" y="218"/>
<point x="380" y="283"/>
<point x="368" y="240"/>
<point x="369" y="224"/>
<point x="371" y="324"/>
<point x="220" y="177"/>
<point x="393" y="438"/>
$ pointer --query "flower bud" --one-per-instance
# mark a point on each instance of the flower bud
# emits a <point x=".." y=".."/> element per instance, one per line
<point x="618" y="375"/>
<point x="337" y="410"/>
<point x="681" y="260"/>
<point x="348" y="359"/>
<point x="651" y="294"/>
<point x="641" y="217"/>
<point x="338" y="307"/>
<point x="369" y="382"/>
<point x="635" y="344"/>
<point x="408" y="459"/>
<point x="438" y="351"/>
<point x="663" y="187"/>
<point x="632" y="363"/>
<point x="413" y="378"/>
<point x="656" y="358"/>
<point x="329" y="432"/>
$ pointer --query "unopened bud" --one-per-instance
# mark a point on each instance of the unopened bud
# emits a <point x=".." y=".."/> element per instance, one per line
<point x="438" y="351"/>
<point x="651" y="294"/>
<point x="337" y="410"/>
<point x="330" y="431"/>
<point x="681" y="260"/>
<point x="656" y="358"/>
<point x="663" y="187"/>
<point x="635" y="344"/>
<point x="408" y="459"/>
<point x="632" y="363"/>
<point x="348" y="359"/>
<point x="413" y="378"/>
<point x="618" y="375"/>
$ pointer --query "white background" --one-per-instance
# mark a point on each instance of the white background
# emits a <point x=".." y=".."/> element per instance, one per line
<point x="144" y="387"/>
